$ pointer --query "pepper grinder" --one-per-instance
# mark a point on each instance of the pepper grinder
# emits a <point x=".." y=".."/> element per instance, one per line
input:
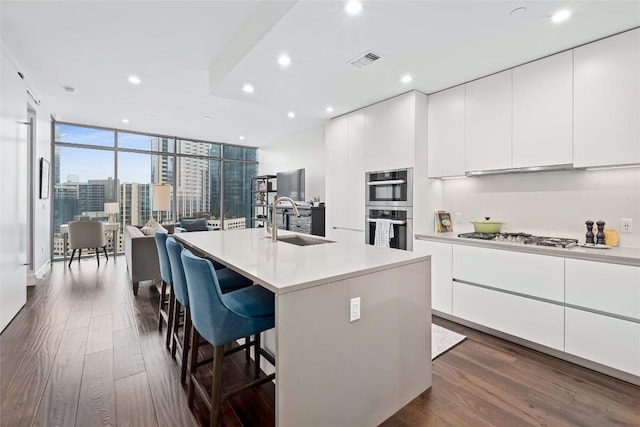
<point x="600" y="235"/>
<point x="589" y="235"/>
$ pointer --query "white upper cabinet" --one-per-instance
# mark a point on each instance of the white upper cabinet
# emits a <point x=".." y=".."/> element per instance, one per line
<point x="390" y="133"/>
<point x="446" y="133"/>
<point x="543" y="112"/>
<point x="337" y="195"/>
<point x="607" y="101"/>
<point x="355" y="182"/>
<point x="488" y="122"/>
<point x="401" y="131"/>
<point x="345" y="174"/>
<point x="376" y="122"/>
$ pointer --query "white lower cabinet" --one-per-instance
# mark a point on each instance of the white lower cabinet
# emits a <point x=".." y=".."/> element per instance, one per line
<point x="602" y="339"/>
<point x="441" y="258"/>
<point x="610" y="288"/>
<point x="535" y="321"/>
<point x="530" y="274"/>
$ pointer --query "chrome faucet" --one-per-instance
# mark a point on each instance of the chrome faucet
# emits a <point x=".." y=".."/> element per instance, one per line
<point x="273" y="227"/>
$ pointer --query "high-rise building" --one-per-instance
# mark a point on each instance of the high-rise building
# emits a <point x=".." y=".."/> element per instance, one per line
<point x="66" y="204"/>
<point x="135" y="206"/>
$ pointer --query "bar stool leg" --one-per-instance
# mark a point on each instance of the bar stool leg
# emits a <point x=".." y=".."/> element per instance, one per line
<point x="176" y="325"/>
<point x="193" y="364"/>
<point x="257" y="354"/>
<point x="216" y="389"/>
<point x="172" y="301"/>
<point x="163" y="291"/>
<point x="186" y="344"/>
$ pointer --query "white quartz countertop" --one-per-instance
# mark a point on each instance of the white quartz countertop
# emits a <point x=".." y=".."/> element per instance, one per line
<point x="615" y="255"/>
<point x="284" y="267"/>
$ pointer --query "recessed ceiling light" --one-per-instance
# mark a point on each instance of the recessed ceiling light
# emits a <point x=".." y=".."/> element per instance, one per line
<point x="560" y="16"/>
<point x="247" y="88"/>
<point x="69" y="89"/>
<point x="406" y="79"/>
<point x="151" y="116"/>
<point x="519" y="11"/>
<point x="329" y="109"/>
<point x="284" y="60"/>
<point x="353" y="7"/>
<point x="241" y="138"/>
<point x="134" y="80"/>
<point x="291" y="114"/>
<point x="206" y="117"/>
<point x="125" y="120"/>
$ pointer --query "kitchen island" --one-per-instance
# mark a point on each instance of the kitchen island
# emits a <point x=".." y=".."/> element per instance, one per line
<point x="331" y="371"/>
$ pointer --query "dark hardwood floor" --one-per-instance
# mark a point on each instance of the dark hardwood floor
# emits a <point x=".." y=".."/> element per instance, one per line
<point x="84" y="351"/>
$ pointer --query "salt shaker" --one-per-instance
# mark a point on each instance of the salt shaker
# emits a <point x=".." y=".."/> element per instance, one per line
<point x="600" y="235"/>
<point x="589" y="235"/>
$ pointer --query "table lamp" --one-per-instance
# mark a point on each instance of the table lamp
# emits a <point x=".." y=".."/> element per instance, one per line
<point x="161" y="198"/>
<point x="112" y="209"/>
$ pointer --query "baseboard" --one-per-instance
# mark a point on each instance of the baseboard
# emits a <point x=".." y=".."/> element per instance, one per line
<point x="44" y="269"/>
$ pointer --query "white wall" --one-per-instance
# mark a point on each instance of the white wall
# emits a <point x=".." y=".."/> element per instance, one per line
<point x="548" y="203"/>
<point x="42" y="212"/>
<point x="305" y="150"/>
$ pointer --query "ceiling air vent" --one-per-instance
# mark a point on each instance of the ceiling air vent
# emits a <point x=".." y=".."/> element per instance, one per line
<point x="364" y="60"/>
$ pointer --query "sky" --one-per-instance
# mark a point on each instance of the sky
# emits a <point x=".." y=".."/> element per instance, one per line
<point x="89" y="164"/>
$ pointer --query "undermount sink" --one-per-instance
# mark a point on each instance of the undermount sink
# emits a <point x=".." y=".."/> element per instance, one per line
<point x="302" y="240"/>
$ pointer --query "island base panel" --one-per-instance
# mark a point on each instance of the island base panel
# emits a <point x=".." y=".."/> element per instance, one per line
<point x="333" y="372"/>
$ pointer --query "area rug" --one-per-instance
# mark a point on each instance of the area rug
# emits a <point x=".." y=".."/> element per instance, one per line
<point x="442" y="340"/>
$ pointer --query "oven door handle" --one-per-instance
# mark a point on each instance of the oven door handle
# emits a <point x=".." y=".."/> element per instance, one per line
<point x="389" y="182"/>
<point x="393" y="221"/>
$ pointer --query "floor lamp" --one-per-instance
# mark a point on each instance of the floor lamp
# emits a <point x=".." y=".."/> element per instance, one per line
<point x="161" y="199"/>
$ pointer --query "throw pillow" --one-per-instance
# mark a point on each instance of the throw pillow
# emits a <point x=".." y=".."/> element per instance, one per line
<point x="152" y="226"/>
<point x="152" y="223"/>
<point x="199" y="224"/>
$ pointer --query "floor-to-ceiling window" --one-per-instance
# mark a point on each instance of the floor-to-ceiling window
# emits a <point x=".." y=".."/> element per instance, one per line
<point x="95" y="166"/>
<point x="240" y="165"/>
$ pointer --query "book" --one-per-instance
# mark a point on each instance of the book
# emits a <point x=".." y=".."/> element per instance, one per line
<point x="443" y="222"/>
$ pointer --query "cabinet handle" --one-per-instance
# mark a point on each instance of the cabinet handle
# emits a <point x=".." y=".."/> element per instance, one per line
<point x="393" y="221"/>
<point x="389" y="182"/>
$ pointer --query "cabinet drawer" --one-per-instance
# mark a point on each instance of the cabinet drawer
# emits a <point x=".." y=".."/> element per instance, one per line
<point x="300" y="229"/>
<point x="303" y="221"/>
<point x="606" y="287"/>
<point x="536" y="321"/>
<point x="530" y="274"/>
<point x="602" y="339"/>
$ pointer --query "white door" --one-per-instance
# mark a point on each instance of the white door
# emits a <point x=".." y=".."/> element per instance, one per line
<point x="13" y="193"/>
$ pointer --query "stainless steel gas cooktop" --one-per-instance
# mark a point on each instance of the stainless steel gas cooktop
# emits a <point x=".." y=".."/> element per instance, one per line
<point x="523" y="238"/>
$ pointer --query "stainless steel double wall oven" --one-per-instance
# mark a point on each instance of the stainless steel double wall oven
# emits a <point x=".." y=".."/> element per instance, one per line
<point x="389" y="195"/>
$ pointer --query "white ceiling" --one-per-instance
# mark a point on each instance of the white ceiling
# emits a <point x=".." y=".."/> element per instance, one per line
<point x="194" y="56"/>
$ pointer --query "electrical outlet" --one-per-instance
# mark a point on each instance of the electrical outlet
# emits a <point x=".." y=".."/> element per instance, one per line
<point x="626" y="225"/>
<point x="458" y="217"/>
<point x="354" y="312"/>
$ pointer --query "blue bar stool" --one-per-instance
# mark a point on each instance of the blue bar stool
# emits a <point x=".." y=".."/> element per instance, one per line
<point x="167" y="281"/>
<point x="229" y="281"/>
<point x="221" y="319"/>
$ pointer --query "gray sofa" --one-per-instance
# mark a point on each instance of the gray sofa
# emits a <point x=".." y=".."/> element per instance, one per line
<point x="142" y="256"/>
